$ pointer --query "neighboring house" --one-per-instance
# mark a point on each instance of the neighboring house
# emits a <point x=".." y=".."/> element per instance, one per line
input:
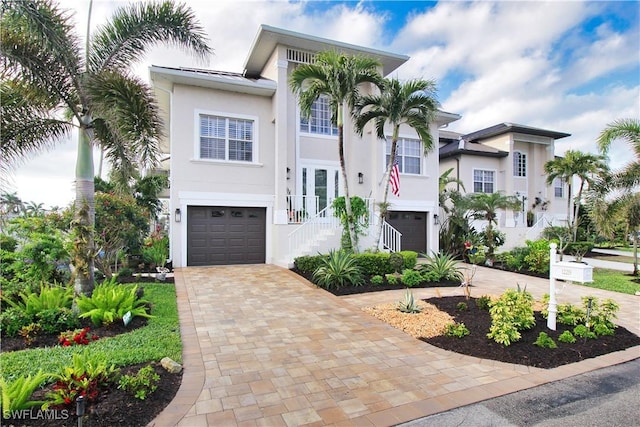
<point x="509" y="158"/>
<point x="252" y="182"/>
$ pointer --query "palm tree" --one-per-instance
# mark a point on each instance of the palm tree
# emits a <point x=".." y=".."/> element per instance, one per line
<point x="412" y="103"/>
<point x="584" y="166"/>
<point x="628" y="130"/>
<point x="11" y="203"/>
<point x="485" y="206"/>
<point x="50" y="86"/>
<point x="340" y="77"/>
<point x="34" y="209"/>
<point x="444" y="194"/>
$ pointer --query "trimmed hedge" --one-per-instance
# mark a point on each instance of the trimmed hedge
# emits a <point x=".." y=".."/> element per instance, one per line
<point x="369" y="263"/>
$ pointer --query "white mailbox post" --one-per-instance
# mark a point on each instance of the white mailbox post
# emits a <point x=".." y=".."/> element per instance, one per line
<point x="570" y="271"/>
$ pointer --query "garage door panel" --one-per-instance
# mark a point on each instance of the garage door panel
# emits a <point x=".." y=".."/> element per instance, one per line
<point x="221" y="235"/>
<point x="413" y="226"/>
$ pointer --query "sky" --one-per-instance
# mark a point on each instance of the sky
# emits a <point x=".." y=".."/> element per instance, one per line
<point x="567" y="66"/>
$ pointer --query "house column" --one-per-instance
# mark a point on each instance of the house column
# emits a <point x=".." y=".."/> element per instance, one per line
<point x="281" y="125"/>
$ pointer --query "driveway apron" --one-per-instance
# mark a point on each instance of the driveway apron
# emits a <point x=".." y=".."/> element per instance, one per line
<point x="262" y="346"/>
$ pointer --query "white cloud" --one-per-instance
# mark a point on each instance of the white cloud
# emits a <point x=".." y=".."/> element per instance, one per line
<point x="524" y="62"/>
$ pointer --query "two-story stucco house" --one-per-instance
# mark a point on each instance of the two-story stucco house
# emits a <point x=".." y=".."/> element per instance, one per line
<point x="251" y="181"/>
<point x="509" y="158"/>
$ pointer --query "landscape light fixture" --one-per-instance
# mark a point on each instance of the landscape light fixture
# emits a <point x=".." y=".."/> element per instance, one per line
<point x="436" y="219"/>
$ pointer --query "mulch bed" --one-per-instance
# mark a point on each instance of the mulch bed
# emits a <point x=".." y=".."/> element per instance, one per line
<point x="523" y="352"/>
<point x="113" y="407"/>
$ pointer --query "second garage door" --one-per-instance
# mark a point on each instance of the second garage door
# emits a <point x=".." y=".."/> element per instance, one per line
<point x="220" y="235"/>
<point x="413" y="226"/>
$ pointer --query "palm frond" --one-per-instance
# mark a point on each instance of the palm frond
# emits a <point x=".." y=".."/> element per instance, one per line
<point x="39" y="45"/>
<point x="627" y="129"/>
<point x="136" y="27"/>
<point x="26" y="122"/>
<point x="125" y="106"/>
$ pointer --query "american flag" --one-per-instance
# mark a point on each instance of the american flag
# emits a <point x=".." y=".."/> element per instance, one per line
<point x="394" y="177"/>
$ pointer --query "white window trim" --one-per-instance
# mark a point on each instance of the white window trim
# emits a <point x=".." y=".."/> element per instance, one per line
<point x="495" y="178"/>
<point x="255" y="152"/>
<point x="526" y="164"/>
<point x="563" y="186"/>
<point x="423" y="157"/>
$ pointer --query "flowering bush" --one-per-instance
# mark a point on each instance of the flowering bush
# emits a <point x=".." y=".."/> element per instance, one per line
<point x="475" y="254"/>
<point x="77" y="337"/>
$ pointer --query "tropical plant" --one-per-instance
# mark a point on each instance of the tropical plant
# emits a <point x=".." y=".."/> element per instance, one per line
<point x="412" y="103"/>
<point x="456" y="330"/>
<point x="411" y="278"/>
<point x="49" y="297"/>
<point x="142" y="384"/>
<point x="574" y="164"/>
<point x="444" y="193"/>
<point x="443" y="265"/>
<point x="120" y="223"/>
<point x="545" y="341"/>
<point x="485" y="206"/>
<point x="408" y="305"/>
<point x="50" y="86"/>
<point x="510" y="314"/>
<point x="110" y="301"/>
<point x="10" y="203"/>
<point x="86" y="375"/>
<point x="567" y="337"/>
<point x="627" y="130"/>
<point x="359" y="213"/>
<point x="340" y="77"/>
<point x="16" y="394"/>
<point x="337" y="270"/>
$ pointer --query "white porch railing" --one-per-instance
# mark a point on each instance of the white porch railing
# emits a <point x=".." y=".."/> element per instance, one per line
<point x="390" y="238"/>
<point x="309" y="231"/>
<point x="301" y="207"/>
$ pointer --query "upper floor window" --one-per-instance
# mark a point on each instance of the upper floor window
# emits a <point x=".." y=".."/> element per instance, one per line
<point x="483" y="181"/>
<point x="519" y="164"/>
<point x="319" y="122"/>
<point x="558" y="187"/>
<point x="408" y="155"/>
<point x="226" y="138"/>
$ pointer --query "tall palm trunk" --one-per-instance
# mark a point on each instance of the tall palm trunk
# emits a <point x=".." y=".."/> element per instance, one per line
<point x="347" y="199"/>
<point x="83" y="248"/>
<point x="383" y="212"/>
<point x="569" y="197"/>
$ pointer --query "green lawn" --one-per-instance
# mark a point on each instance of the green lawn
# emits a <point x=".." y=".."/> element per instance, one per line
<point x="616" y="281"/>
<point x="160" y="338"/>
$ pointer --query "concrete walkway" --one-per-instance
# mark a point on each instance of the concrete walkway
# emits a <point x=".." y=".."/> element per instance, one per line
<point x="263" y="347"/>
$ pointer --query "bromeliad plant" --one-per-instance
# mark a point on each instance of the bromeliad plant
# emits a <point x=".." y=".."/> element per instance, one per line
<point x="110" y="302"/>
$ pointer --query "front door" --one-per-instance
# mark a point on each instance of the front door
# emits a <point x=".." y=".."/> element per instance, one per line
<point x="321" y="183"/>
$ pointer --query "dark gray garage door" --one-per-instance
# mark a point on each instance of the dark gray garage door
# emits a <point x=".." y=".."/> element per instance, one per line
<point x="219" y="235"/>
<point x="413" y="226"/>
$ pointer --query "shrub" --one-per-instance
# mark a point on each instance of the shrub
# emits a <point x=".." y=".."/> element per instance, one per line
<point x="29" y="332"/>
<point x="430" y="276"/>
<point x="410" y="258"/>
<point x="568" y="314"/>
<point x="396" y="261"/>
<point x="601" y="329"/>
<point x="483" y="302"/>
<point x="374" y="263"/>
<point x="443" y="265"/>
<point x="515" y="259"/>
<point x="392" y="279"/>
<point x="537" y="259"/>
<point x="545" y="341"/>
<point x="601" y="313"/>
<point x="309" y="264"/>
<point x="338" y="270"/>
<point x="16" y="395"/>
<point x="142" y="384"/>
<point x="408" y="305"/>
<point x="578" y="249"/>
<point x="457" y="330"/>
<point x="110" y="301"/>
<point x="13" y="320"/>
<point x="462" y="306"/>
<point x="567" y="337"/>
<point x="377" y="280"/>
<point x="125" y="272"/>
<point x="411" y="278"/>
<point x="8" y="243"/>
<point x="583" y="332"/>
<point x="54" y="320"/>
<point x="510" y="314"/>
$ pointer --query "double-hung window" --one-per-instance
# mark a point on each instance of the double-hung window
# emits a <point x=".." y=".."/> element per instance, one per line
<point x="558" y="188"/>
<point x="319" y="122"/>
<point x="483" y="181"/>
<point x="409" y="155"/>
<point x="226" y="138"/>
<point x="519" y="164"/>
